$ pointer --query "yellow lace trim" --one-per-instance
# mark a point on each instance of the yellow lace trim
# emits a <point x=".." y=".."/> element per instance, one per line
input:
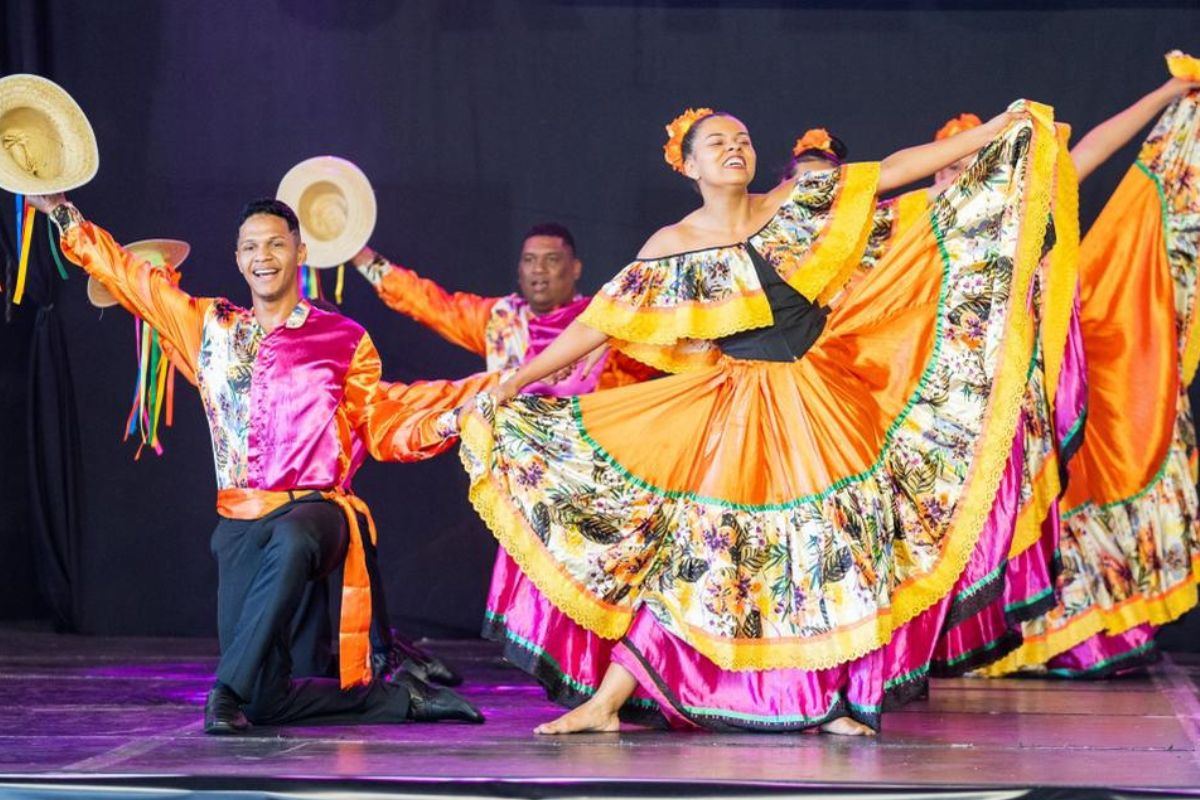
<point x="681" y="357"/>
<point x="1038" y="650"/>
<point x="1143" y="609"/>
<point x="1046" y="489"/>
<point x="838" y="281"/>
<point x="1058" y="295"/>
<point x="838" y="249"/>
<point x="668" y="325"/>
<point x="975" y="503"/>
<point x="512" y="532"/>
<point x="823" y="651"/>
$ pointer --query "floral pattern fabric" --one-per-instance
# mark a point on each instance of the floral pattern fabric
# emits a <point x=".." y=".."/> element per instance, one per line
<point x="1135" y="560"/>
<point x="825" y="576"/>
<point x="814" y="240"/>
<point x="228" y="350"/>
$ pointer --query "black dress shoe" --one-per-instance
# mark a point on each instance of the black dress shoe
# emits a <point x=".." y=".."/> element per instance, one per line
<point x="404" y="655"/>
<point x="429" y="667"/>
<point x="434" y="704"/>
<point x="223" y="713"/>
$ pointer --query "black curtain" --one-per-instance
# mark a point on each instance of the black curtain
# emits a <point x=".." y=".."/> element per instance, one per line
<point x="49" y="529"/>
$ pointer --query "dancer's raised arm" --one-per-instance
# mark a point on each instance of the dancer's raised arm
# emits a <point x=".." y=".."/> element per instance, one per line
<point x="914" y="163"/>
<point x="1111" y="135"/>
<point x="143" y="289"/>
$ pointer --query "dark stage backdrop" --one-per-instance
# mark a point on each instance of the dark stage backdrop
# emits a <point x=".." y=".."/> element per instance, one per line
<point x="473" y="121"/>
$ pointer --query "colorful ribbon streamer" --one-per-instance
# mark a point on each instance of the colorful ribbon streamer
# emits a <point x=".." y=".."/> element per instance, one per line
<point x="310" y="283"/>
<point x="54" y="251"/>
<point x="154" y="392"/>
<point x="24" y="239"/>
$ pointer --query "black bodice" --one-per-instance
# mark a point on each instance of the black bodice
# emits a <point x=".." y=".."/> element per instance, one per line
<point x="798" y="321"/>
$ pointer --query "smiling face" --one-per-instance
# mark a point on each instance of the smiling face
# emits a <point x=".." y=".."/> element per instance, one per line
<point x="547" y="273"/>
<point x="269" y="256"/>
<point x="721" y="153"/>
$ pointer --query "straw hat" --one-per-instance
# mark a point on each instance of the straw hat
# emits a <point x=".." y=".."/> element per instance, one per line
<point x="46" y="143"/>
<point x="165" y="253"/>
<point x="336" y="207"/>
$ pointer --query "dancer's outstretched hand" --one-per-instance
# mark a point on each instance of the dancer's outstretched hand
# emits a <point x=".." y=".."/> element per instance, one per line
<point x="1178" y="87"/>
<point x="504" y="392"/>
<point x="499" y="394"/>
<point x="996" y="125"/>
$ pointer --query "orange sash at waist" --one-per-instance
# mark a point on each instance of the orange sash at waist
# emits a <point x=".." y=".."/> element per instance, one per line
<point x="354" y="658"/>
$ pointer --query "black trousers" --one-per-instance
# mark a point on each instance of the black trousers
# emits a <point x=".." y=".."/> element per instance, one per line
<point x="266" y="570"/>
<point x="312" y="633"/>
<point x="313" y="653"/>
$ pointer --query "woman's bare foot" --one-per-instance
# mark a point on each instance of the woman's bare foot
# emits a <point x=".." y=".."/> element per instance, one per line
<point x="844" y="726"/>
<point x="591" y="717"/>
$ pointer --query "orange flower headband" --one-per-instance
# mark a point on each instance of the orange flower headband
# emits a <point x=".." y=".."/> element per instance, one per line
<point x="1181" y="65"/>
<point x="963" y="122"/>
<point x="814" y="139"/>
<point x="673" y="149"/>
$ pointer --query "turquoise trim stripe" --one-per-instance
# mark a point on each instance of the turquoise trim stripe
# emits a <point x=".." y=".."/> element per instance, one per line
<point x="986" y="648"/>
<point x="763" y="719"/>
<point x="919" y="672"/>
<point x="786" y="719"/>
<point x="1162" y="204"/>
<point x="930" y="368"/>
<point x="1158" y="476"/>
<point x="979" y="584"/>
<point x="1074" y="429"/>
<point x="1029" y="600"/>
<point x="550" y="661"/>
<point x="1106" y="663"/>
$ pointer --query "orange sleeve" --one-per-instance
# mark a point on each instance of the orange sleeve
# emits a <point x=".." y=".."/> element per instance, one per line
<point x="142" y="289"/>
<point x="458" y="317"/>
<point x="405" y="422"/>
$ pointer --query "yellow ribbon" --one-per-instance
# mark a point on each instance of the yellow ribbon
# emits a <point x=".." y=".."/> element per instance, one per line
<point x="23" y="262"/>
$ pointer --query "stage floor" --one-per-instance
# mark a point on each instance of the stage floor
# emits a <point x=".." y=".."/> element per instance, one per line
<point x="85" y="708"/>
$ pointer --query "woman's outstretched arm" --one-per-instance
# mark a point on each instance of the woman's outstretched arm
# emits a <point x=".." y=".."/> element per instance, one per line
<point x="915" y="163"/>
<point x="1111" y="135"/>
<point x="572" y="344"/>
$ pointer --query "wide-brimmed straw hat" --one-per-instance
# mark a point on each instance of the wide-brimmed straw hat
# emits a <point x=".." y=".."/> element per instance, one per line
<point x="46" y="143"/>
<point x="166" y="253"/>
<point x="336" y="207"/>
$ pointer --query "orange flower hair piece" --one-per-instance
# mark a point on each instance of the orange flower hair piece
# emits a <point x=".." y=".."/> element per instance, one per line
<point x="963" y="122"/>
<point x="673" y="149"/>
<point x="814" y="139"/>
<point x="1181" y="65"/>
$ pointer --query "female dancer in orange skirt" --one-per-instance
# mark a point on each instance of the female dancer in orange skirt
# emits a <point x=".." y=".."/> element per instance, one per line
<point x="1130" y="543"/>
<point x="757" y="541"/>
<point x="1012" y="579"/>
